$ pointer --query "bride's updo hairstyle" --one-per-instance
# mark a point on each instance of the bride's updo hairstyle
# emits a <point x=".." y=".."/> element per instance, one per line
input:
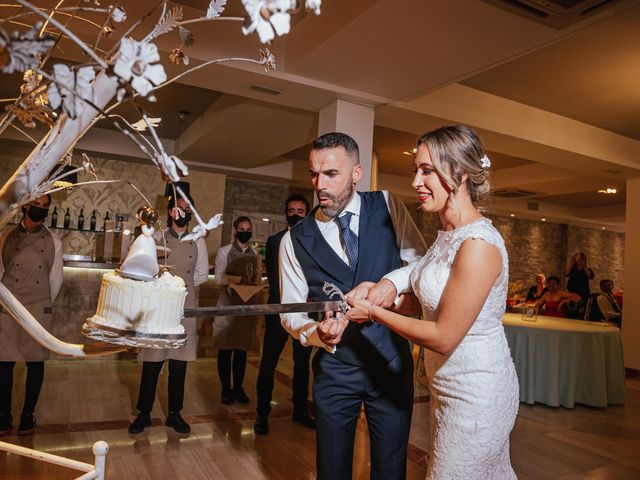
<point x="456" y="150"/>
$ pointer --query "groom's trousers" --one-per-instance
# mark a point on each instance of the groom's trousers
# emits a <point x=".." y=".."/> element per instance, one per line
<point x="339" y="390"/>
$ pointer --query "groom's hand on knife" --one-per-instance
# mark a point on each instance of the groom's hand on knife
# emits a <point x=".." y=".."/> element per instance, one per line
<point x="330" y="329"/>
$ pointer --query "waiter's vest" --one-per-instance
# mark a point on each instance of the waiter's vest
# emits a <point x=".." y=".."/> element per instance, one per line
<point x="28" y="259"/>
<point x="183" y="258"/>
<point x="241" y="263"/>
<point x="378" y="255"/>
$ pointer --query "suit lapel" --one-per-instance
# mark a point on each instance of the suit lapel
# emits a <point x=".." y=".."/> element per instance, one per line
<point x="312" y="241"/>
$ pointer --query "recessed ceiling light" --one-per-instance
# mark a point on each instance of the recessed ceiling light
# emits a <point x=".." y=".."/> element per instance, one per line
<point x="512" y="215"/>
<point x="411" y="152"/>
<point x="604" y="228"/>
<point x="265" y="219"/>
<point x="543" y="219"/>
<point x="608" y="191"/>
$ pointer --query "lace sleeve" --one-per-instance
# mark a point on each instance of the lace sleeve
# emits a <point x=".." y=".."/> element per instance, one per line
<point x="483" y="232"/>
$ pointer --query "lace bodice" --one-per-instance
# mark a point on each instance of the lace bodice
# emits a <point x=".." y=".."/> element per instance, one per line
<point x="431" y="274"/>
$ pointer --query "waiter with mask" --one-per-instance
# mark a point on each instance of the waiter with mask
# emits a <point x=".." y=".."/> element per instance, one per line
<point x="31" y="268"/>
<point x="190" y="262"/>
<point x="234" y="336"/>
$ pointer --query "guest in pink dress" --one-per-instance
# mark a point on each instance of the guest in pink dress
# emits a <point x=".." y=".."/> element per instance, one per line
<point x="552" y="302"/>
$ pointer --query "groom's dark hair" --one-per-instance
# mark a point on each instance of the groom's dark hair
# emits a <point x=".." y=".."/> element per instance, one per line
<point x="338" y="139"/>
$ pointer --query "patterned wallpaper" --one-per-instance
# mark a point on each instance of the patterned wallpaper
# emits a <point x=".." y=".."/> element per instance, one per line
<point x="207" y="190"/>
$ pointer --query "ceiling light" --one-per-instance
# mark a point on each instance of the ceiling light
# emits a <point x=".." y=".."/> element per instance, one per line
<point x="604" y="228"/>
<point x="543" y="219"/>
<point x="512" y="215"/>
<point x="608" y="191"/>
<point x="265" y="219"/>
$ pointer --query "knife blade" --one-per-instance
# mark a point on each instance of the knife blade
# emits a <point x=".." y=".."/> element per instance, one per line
<point x="264" y="309"/>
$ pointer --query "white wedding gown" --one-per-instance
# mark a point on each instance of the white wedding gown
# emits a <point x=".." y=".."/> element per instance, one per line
<point x="474" y="390"/>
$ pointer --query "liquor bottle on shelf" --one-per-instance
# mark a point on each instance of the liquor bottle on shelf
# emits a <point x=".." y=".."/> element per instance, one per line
<point x="106" y="219"/>
<point x="54" y="218"/>
<point x="81" y="219"/>
<point x="67" y="219"/>
<point x="92" y="224"/>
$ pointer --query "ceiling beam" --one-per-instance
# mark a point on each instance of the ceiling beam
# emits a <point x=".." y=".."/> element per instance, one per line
<point x="561" y="141"/>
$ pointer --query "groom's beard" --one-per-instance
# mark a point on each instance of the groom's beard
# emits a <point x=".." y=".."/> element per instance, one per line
<point x="339" y="201"/>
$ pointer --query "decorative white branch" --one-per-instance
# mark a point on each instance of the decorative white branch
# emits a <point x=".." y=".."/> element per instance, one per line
<point x="27" y="321"/>
<point x="66" y="31"/>
<point x="267" y="18"/>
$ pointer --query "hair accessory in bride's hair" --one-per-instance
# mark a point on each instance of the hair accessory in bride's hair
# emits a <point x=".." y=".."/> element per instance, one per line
<point x="485" y="162"/>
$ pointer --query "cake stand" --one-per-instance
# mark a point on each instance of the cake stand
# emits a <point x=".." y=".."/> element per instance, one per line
<point x="132" y="338"/>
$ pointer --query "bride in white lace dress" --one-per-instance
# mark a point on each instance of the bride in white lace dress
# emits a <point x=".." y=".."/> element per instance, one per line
<point x="461" y="284"/>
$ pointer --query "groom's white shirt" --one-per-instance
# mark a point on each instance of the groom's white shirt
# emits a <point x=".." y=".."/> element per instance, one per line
<point x="293" y="284"/>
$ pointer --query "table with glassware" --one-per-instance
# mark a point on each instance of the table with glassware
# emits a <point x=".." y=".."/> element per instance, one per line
<point x="561" y="362"/>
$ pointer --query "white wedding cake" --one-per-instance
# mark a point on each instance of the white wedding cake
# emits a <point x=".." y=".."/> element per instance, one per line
<point x="155" y="307"/>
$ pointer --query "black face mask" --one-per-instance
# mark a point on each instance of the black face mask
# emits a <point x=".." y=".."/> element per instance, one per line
<point x="244" y="237"/>
<point x="293" y="219"/>
<point x="37" y="214"/>
<point x="182" y="221"/>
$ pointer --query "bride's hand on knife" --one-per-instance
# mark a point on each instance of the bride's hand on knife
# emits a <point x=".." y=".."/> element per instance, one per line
<point x="359" y="311"/>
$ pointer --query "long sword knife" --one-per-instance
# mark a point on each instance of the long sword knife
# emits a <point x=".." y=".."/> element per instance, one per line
<point x="264" y="309"/>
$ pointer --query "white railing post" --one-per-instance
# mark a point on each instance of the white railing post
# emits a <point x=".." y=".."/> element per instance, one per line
<point x="100" y="450"/>
<point x="93" y="472"/>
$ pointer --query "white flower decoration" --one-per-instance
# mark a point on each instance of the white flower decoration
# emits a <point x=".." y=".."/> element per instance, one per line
<point x="136" y="63"/>
<point x="70" y="88"/>
<point x="268" y="18"/>
<point x="118" y="14"/>
<point x="21" y="51"/>
<point x="485" y="162"/>
<point x="200" y="230"/>
<point x="141" y="125"/>
<point x="173" y="167"/>
<point x="313" y="6"/>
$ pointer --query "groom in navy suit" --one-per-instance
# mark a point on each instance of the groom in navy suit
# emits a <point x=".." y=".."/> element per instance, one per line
<point x="350" y="238"/>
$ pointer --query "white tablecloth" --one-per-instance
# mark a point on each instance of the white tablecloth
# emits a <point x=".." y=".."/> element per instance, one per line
<point x="564" y="362"/>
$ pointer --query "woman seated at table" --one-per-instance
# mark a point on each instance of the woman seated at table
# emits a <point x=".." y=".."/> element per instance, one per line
<point x="554" y="299"/>
<point x="538" y="290"/>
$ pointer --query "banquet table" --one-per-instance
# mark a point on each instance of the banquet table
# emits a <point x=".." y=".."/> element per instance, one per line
<point x="561" y="362"/>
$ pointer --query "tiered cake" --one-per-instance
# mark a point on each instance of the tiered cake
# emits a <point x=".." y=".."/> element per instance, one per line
<point x="147" y="307"/>
<point x="136" y="308"/>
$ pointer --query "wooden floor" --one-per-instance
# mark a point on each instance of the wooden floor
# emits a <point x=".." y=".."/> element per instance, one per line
<point x="86" y="401"/>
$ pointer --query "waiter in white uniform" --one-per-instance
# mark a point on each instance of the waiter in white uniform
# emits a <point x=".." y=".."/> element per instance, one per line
<point x="31" y="268"/>
<point x="190" y="262"/>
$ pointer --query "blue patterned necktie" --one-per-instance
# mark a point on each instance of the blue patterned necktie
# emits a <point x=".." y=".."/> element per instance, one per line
<point x="349" y="238"/>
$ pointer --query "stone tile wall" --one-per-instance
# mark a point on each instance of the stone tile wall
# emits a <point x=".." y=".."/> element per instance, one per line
<point x="544" y="247"/>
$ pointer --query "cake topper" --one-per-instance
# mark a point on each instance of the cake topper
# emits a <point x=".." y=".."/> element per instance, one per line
<point x="141" y="262"/>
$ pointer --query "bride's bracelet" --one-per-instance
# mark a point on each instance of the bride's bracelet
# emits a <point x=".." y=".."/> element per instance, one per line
<point x="371" y="305"/>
